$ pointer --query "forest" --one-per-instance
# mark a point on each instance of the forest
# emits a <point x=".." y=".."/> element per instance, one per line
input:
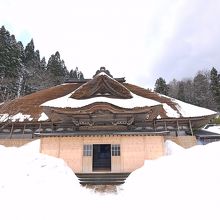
<point x="202" y="90"/>
<point x="23" y="71"/>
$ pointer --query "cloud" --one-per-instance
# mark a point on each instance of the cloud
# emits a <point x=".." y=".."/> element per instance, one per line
<point x="140" y="39"/>
<point x="194" y="45"/>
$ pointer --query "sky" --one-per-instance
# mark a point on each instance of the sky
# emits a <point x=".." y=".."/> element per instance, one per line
<point x="140" y="40"/>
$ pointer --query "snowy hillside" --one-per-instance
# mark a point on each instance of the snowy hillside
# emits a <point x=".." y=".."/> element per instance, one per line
<point x="183" y="185"/>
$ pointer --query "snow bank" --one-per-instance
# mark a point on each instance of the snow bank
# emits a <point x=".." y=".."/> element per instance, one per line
<point x="36" y="186"/>
<point x="33" y="185"/>
<point x="181" y="186"/>
<point x="172" y="148"/>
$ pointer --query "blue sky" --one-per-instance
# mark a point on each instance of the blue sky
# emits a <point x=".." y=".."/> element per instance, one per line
<point x="138" y="39"/>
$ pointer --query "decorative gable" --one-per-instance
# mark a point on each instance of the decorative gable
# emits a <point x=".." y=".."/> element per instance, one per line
<point x="103" y="85"/>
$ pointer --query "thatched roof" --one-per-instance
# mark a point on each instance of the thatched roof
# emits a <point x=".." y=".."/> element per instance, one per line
<point x="101" y="89"/>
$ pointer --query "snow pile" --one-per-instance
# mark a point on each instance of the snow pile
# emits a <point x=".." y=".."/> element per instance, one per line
<point x="181" y="186"/>
<point x="33" y="185"/>
<point x="172" y="148"/>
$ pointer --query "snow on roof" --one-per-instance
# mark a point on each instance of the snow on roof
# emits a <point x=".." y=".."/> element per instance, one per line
<point x="66" y="101"/>
<point x="43" y="117"/>
<point x="3" y="117"/>
<point x="185" y="109"/>
<point x="189" y="110"/>
<point x="17" y="117"/>
<point x="170" y="112"/>
<point x="215" y="129"/>
<point x="104" y="74"/>
<point x="20" y="117"/>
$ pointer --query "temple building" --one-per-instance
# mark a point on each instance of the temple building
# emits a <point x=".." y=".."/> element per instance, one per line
<point x="103" y="124"/>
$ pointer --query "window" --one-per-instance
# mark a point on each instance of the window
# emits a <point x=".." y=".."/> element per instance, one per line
<point x="87" y="150"/>
<point x="116" y="150"/>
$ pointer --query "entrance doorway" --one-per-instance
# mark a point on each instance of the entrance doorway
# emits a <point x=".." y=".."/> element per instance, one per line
<point x="101" y="157"/>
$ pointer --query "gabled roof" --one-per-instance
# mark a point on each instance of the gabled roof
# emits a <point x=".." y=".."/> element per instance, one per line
<point x="102" y="85"/>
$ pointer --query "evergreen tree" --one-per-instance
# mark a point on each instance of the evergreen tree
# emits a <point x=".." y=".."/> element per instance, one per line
<point x="181" y="91"/>
<point x="11" y="55"/>
<point x="173" y="88"/>
<point x="43" y="63"/>
<point x="56" y="69"/>
<point x="161" y="86"/>
<point x="202" y="93"/>
<point x="35" y="69"/>
<point x="74" y="74"/>
<point x="215" y="86"/>
<point x="188" y="91"/>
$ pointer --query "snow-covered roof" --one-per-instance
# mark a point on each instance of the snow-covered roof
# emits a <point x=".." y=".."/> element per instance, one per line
<point x="214" y="129"/>
<point x="101" y="89"/>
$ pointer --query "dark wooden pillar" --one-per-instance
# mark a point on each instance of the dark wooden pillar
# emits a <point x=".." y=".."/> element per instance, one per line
<point x="190" y="126"/>
<point x="23" y="130"/>
<point x="11" y="132"/>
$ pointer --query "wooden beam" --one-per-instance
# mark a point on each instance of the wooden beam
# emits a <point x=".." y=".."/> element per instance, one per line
<point x="190" y="125"/>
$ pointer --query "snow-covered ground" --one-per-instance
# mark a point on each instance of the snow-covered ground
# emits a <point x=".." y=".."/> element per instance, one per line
<point x="183" y="185"/>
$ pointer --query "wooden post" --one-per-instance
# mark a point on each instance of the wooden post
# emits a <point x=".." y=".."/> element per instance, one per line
<point x="165" y="125"/>
<point x="52" y="127"/>
<point x="23" y="131"/>
<point x="154" y="123"/>
<point x="178" y="128"/>
<point x="177" y="123"/>
<point x="33" y="130"/>
<point x="39" y="128"/>
<point x="190" y="125"/>
<point x="12" y="128"/>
